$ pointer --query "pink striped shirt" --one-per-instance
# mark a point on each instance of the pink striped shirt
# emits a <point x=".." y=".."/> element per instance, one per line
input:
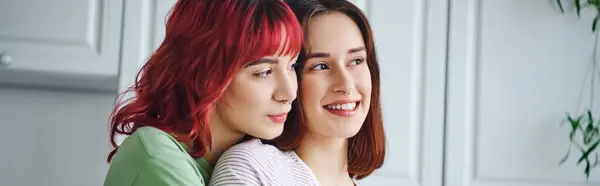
<point x="255" y="163"/>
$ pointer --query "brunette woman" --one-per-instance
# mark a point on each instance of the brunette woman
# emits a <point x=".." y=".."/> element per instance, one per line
<point x="334" y="134"/>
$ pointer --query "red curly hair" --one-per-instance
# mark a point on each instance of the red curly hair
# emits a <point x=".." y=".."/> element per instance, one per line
<point x="206" y="43"/>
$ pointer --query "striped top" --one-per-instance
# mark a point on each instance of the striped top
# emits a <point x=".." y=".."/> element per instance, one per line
<point x="255" y="163"/>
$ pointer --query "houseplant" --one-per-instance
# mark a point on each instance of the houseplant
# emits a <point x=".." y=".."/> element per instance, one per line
<point x="584" y="128"/>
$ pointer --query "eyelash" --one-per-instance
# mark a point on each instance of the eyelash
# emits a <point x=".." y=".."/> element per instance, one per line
<point x="358" y="62"/>
<point x="263" y="74"/>
<point x="266" y="73"/>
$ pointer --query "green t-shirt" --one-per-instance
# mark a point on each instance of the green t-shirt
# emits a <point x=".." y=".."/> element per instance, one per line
<point x="151" y="157"/>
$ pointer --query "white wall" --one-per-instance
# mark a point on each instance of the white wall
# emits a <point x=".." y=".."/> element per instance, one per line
<point x="514" y="68"/>
<point x="53" y="137"/>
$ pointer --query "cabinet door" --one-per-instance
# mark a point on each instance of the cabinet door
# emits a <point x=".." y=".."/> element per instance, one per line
<point x="62" y="37"/>
<point x="515" y="68"/>
<point x="143" y="31"/>
<point x="410" y="37"/>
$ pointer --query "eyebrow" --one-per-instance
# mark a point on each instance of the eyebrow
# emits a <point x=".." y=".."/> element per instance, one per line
<point x="323" y="54"/>
<point x="261" y="61"/>
<point x="357" y="49"/>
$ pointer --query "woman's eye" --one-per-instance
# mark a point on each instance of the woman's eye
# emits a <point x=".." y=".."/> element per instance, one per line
<point x="263" y="74"/>
<point x="356" y="61"/>
<point x="321" y="66"/>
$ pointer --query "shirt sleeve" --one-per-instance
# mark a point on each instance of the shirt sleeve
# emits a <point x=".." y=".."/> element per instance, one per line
<point x="234" y="168"/>
<point x="173" y="172"/>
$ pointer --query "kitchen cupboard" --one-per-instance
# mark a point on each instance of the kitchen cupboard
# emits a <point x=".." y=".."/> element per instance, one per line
<point x="62" y="43"/>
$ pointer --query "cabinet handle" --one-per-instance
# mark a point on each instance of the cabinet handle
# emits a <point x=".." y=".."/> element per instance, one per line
<point x="5" y="60"/>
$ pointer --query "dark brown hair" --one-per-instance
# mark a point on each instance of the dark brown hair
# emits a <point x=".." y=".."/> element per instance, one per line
<point x="366" y="150"/>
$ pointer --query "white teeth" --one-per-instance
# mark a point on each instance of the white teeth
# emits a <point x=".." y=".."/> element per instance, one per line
<point x="347" y="106"/>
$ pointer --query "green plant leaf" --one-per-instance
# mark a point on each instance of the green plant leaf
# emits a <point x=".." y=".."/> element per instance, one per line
<point x="589" y="134"/>
<point x="587" y="137"/>
<point x="564" y="159"/>
<point x="560" y="6"/>
<point x="575" y="124"/>
<point x="594" y="2"/>
<point x="578" y="7"/>
<point x="587" y="152"/>
<point x="588" y="126"/>
<point x="587" y="169"/>
<point x="584" y="124"/>
<point x="594" y="24"/>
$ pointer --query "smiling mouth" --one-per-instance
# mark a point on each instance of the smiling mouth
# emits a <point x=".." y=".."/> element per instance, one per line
<point x="343" y="107"/>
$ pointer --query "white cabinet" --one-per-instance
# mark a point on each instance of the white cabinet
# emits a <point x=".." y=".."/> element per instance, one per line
<point x="60" y="38"/>
<point x="144" y="30"/>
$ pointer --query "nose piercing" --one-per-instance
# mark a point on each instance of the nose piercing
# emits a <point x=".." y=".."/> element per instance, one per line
<point x="285" y="102"/>
<point x="345" y="92"/>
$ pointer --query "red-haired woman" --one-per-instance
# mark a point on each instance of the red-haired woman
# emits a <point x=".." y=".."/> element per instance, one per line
<point x="334" y="133"/>
<point x="224" y="71"/>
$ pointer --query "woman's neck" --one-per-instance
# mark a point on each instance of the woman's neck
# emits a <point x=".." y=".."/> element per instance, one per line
<point x="222" y="137"/>
<point x="327" y="158"/>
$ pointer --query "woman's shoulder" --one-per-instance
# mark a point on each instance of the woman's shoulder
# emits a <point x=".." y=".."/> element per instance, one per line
<point x="149" y="157"/>
<point x="243" y="163"/>
<point x="253" y="154"/>
<point x="253" y="149"/>
<point x="255" y="163"/>
<point x="152" y="142"/>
